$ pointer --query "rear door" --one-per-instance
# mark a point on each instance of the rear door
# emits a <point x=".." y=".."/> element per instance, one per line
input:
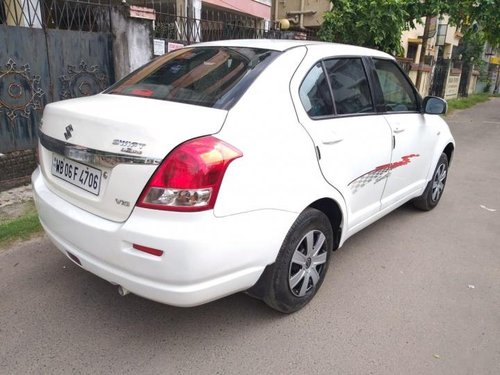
<point x="335" y="104"/>
<point x="414" y="139"/>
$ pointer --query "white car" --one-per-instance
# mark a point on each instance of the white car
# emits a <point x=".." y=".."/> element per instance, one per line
<point x="236" y="166"/>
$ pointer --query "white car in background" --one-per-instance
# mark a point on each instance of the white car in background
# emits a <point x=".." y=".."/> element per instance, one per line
<point x="236" y="166"/>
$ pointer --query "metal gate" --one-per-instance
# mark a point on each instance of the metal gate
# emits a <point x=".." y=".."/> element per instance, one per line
<point x="464" y="80"/>
<point x="439" y="77"/>
<point x="50" y="50"/>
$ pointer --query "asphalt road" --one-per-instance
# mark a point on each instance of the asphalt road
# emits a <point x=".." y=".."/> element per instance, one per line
<point x="415" y="293"/>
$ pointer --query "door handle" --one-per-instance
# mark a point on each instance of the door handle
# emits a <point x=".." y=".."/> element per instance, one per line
<point x="332" y="141"/>
<point x="330" y="137"/>
<point x="399" y="130"/>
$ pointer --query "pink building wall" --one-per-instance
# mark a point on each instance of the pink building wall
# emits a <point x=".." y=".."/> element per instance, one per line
<point x="249" y="7"/>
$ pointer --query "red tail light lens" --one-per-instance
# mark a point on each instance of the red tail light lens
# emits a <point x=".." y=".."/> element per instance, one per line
<point x="189" y="178"/>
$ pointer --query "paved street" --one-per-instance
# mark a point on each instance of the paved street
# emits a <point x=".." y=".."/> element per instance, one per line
<point x="415" y="293"/>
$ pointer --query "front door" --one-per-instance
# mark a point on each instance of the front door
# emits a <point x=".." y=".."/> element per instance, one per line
<point x="414" y="140"/>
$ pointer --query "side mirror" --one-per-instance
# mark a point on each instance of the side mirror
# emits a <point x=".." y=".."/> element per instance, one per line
<point x="434" y="105"/>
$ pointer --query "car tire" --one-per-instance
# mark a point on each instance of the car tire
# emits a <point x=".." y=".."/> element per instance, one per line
<point x="300" y="268"/>
<point x="435" y="188"/>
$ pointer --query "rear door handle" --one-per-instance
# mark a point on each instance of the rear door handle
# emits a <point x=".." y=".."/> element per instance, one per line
<point x="331" y="137"/>
<point x="399" y="130"/>
<point x="332" y="141"/>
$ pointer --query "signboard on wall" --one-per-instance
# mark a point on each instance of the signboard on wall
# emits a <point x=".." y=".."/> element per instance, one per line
<point x="143" y="13"/>
<point x="452" y="87"/>
<point x="171" y="46"/>
<point x="158" y="47"/>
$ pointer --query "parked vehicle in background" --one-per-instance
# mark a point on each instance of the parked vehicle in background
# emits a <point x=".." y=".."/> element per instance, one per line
<point x="236" y="166"/>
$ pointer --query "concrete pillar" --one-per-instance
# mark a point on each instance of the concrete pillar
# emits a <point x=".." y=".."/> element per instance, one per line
<point x="132" y="41"/>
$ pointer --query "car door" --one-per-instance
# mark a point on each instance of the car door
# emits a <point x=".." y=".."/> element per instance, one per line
<point x="334" y="102"/>
<point x="414" y="139"/>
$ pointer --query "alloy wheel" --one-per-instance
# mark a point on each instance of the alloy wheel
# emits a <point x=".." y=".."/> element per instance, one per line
<point x="438" y="182"/>
<point x="308" y="262"/>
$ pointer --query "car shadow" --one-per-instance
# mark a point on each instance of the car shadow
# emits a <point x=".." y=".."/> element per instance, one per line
<point x="74" y="300"/>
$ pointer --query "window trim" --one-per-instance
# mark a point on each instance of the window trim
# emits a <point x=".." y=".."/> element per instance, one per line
<point x="323" y="66"/>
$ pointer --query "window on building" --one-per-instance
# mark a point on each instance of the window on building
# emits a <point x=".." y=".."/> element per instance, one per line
<point x="412" y="51"/>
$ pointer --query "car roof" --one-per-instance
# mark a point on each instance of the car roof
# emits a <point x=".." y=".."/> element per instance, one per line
<point x="332" y="49"/>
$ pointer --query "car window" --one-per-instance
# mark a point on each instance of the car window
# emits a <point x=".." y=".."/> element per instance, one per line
<point x="351" y="92"/>
<point x="315" y="93"/>
<point x="206" y="76"/>
<point x="397" y="91"/>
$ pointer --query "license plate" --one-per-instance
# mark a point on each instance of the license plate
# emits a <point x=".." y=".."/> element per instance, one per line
<point x="78" y="174"/>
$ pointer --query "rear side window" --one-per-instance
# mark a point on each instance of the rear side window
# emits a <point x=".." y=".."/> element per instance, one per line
<point x="397" y="91"/>
<point x="351" y="92"/>
<point x="207" y="76"/>
<point x="315" y="94"/>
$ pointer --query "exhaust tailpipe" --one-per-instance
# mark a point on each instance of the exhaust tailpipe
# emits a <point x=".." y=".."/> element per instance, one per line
<point x="122" y="291"/>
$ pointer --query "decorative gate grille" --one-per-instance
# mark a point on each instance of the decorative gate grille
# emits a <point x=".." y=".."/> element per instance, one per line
<point x="51" y="50"/>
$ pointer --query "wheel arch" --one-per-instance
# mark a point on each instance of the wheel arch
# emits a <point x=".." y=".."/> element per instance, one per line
<point x="332" y="210"/>
<point x="448" y="150"/>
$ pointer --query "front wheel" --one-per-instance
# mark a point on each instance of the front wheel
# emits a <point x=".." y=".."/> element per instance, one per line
<point x="300" y="268"/>
<point x="435" y="188"/>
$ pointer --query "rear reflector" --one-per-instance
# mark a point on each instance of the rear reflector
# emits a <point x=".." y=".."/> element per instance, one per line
<point x="148" y="250"/>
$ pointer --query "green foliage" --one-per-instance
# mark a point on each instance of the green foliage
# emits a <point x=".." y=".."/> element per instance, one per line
<point x="370" y="23"/>
<point x="18" y="225"/>
<point x="485" y="13"/>
<point x="379" y="23"/>
<point x="471" y="47"/>
<point x="464" y="103"/>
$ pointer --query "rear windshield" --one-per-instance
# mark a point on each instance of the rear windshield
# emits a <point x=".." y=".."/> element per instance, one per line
<point x="207" y="76"/>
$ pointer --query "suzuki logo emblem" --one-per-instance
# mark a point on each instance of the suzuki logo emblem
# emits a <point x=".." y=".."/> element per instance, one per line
<point x="69" y="129"/>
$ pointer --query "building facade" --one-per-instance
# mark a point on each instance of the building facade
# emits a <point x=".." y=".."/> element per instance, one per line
<point x="440" y="72"/>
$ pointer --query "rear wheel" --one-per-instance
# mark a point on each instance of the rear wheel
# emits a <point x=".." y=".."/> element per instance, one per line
<point x="300" y="268"/>
<point x="435" y="188"/>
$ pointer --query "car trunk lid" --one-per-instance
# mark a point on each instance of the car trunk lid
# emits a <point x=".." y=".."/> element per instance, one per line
<point x="99" y="152"/>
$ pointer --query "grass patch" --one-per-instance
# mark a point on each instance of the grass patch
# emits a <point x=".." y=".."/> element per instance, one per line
<point x="16" y="226"/>
<point x="467" y="102"/>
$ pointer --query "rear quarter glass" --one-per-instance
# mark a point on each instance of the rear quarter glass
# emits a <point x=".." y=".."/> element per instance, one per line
<point x="207" y="76"/>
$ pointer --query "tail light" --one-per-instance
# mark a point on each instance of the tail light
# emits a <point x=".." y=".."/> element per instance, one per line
<point x="190" y="176"/>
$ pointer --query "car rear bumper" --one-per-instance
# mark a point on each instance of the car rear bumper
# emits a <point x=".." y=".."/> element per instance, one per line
<point x="204" y="257"/>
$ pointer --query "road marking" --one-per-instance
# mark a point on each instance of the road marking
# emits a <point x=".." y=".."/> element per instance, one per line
<point x="486" y="208"/>
<point x="492" y="122"/>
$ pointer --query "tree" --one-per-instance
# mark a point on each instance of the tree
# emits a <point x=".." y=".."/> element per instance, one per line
<point x="477" y="15"/>
<point x="469" y="15"/>
<point x="471" y="46"/>
<point x="380" y="23"/>
<point x="371" y="23"/>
